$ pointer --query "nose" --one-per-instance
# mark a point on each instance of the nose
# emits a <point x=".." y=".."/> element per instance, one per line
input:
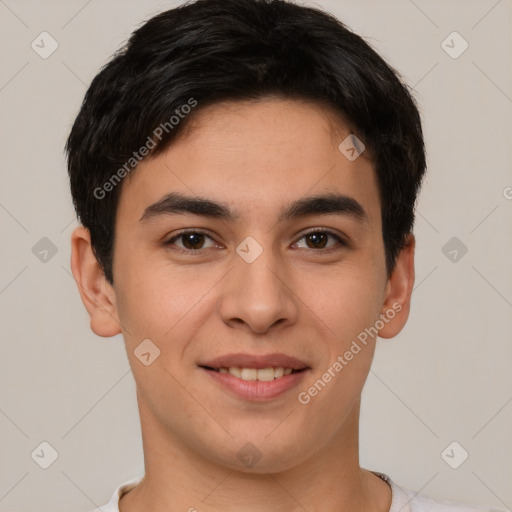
<point x="258" y="296"/>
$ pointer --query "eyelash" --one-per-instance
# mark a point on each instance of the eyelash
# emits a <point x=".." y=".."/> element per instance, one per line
<point x="342" y="243"/>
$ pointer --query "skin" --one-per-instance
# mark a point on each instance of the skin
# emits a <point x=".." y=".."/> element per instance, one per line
<point x="295" y="298"/>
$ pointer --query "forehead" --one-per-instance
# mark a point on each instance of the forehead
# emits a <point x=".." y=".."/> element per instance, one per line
<point x="297" y="124"/>
<point x="259" y="155"/>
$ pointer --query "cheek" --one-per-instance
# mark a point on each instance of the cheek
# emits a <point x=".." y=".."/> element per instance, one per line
<point x="347" y="301"/>
<point x="158" y="300"/>
<point x="349" y="306"/>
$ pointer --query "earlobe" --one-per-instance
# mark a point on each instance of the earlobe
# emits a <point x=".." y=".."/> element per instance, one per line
<point x="96" y="292"/>
<point x="397" y="297"/>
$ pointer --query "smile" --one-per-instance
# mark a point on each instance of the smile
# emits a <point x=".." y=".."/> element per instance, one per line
<point x="255" y="384"/>
<point x="262" y="374"/>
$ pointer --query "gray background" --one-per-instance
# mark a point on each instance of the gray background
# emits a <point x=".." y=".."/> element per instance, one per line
<point x="447" y="377"/>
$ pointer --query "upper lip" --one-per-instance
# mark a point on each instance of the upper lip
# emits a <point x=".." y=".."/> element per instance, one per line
<point x="255" y="361"/>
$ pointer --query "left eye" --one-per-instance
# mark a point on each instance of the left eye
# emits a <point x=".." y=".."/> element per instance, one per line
<point x="319" y="239"/>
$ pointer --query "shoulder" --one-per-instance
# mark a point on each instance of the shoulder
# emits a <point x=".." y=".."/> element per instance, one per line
<point x="422" y="503"/>
<point x="113" y="504"/>
<point x="407" y="500"/>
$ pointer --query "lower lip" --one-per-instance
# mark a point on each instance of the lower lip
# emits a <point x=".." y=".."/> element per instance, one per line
<point x="256" y="390"/>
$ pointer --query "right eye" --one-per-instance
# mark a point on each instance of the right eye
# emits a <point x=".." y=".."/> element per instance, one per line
<point x="191" y="241"/>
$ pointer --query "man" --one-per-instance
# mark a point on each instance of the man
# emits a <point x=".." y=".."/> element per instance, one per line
<point x="246" y="173"/>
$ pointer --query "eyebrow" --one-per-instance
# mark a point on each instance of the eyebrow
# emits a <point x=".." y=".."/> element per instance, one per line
<point x="176" y="203"/>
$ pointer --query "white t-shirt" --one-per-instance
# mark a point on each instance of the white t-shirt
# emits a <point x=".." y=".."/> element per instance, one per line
<point x="402" y="500"/>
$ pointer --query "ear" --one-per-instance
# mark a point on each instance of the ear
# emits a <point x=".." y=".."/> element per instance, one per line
<point x="397" y="296"/>
<point x="96" y="292"/>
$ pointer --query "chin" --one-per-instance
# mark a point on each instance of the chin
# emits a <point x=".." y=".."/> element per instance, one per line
<point x="261" y="453"/>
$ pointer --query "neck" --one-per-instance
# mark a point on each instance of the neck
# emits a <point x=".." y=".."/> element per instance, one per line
<point x="178" y="478"/>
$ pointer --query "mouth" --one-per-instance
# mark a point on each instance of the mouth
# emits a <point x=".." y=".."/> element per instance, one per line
<point x="255" y="374"/>
<point x="256" y="378"/>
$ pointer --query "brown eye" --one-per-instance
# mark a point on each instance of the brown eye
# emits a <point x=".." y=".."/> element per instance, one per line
<point x="193" y="240"/>
<point x="190" y="240"/>
<point x="319" y="239"/>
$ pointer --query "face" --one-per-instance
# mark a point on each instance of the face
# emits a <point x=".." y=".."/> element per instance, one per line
<point x="276" y="260"/>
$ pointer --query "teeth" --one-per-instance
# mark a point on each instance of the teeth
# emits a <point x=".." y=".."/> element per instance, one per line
<point x="249" y="373"/>
<point x="236" y="372"/>
<point x="263" y="374"/>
